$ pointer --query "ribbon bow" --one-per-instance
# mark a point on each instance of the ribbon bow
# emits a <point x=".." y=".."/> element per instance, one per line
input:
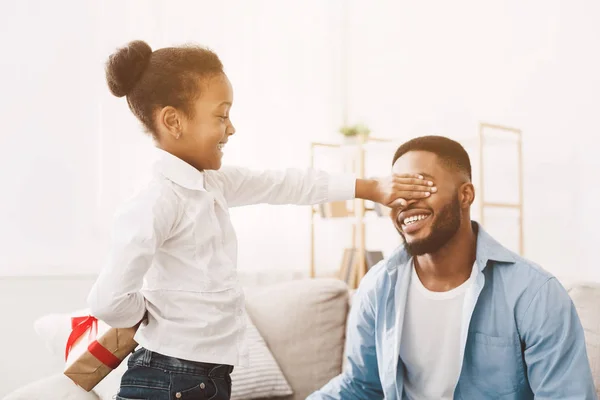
<point x="79" y="326"/>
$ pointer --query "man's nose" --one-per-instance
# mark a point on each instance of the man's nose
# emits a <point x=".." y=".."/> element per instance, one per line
<point x="411" y="202"/>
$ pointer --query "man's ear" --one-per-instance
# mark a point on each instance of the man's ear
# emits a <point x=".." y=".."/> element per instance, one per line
<point x="171" y="120"/>
<point x="466" y="194"/>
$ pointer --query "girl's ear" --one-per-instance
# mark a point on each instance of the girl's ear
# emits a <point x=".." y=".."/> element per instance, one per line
<point x="171" y="121"/>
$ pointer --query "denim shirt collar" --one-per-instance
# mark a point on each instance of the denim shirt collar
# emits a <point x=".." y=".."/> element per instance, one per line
<point x="488" y="249"/>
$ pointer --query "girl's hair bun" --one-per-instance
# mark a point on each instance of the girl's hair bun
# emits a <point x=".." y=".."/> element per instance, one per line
<point x="125" y="67"/>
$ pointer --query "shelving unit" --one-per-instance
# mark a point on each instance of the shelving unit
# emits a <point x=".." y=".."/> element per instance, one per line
<point x="483" y="205"/>
<point x="358" y="212"/>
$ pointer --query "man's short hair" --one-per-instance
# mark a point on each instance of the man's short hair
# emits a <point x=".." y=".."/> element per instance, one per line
<point x="449" y="151"/>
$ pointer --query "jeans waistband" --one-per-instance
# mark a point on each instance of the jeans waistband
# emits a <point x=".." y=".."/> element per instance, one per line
<point x="147" y="358"/>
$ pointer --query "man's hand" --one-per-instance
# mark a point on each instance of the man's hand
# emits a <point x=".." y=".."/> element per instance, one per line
<point x="395" y="190"/>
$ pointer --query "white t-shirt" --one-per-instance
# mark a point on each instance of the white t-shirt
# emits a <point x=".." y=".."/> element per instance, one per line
<point x="430" y="346"/>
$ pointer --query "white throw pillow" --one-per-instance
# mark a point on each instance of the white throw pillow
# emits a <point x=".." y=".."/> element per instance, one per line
<point x="54" y="330"/>
<point x="55" y="387"/>
<point x="262" y="379"/>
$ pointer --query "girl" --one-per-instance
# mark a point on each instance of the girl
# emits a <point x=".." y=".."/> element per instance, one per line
<point x="174" y="252"/>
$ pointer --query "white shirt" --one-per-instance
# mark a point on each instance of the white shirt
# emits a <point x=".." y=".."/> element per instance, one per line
<point x="430" y="346"/>
<point x="174" y="254"/>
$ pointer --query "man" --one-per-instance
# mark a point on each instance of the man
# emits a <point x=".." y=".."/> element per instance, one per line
<point x="452" y="314"/>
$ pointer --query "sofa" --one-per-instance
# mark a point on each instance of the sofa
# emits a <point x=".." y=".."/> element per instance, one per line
<point x="303" y="325"/>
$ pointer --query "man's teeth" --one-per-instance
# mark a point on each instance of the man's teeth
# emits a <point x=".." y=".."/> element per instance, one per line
<point x="220" y="146"/>
<point x="414" y="218"/>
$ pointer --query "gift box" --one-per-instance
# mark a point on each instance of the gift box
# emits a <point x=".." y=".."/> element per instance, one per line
<point x="92" y="353"/>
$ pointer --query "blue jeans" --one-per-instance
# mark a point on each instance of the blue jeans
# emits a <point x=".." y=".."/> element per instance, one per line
<point x="152" y="376"/>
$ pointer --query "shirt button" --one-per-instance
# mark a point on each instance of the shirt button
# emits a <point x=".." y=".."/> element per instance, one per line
<point x="178" y="395"/>
<point x="202" y="385"/>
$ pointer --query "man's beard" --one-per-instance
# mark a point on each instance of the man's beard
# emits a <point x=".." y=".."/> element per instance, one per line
<point x="443" y="229"/>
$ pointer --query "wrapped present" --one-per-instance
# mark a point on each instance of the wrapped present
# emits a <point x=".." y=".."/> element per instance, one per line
<point x="92" y="354"/>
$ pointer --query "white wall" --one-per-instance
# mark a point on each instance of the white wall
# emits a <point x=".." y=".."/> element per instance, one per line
<point x="87" y="152"/>
<point x="71" y="153"/>
<point x="441" y="67"/>
<point x="47" y="144"/>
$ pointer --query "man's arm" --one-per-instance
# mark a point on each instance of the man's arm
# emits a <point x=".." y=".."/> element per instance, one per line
<point x="361" y="378"/>
<point x="555" y="353"/>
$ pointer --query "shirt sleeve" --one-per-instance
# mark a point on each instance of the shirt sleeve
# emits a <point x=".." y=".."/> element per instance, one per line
<point x="555" y="350"/>
<point x="360" y="380"/>
<point x="140" y="228"/>
<point x="291" y="186"/>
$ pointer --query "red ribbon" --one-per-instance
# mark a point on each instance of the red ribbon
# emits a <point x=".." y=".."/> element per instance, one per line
<point x="103" y="355"/>
<point x="79" y="326"/>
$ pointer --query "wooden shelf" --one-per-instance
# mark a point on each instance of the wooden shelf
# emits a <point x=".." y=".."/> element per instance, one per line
<point x="383" y="213"/>
<point x="501" y="205"/>
<point x="358" y="212"/>
<point x="483" y="128"/>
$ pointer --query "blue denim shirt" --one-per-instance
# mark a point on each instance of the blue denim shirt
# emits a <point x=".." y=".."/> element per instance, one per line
<point x="521" y="337"/>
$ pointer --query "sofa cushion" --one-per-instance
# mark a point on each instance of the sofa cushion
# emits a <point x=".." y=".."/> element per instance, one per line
<point x="303" y="323"/>
<point x="586" y="298"/>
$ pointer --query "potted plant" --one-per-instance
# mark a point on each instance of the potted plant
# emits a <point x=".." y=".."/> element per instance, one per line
<point x="351" y="132"/>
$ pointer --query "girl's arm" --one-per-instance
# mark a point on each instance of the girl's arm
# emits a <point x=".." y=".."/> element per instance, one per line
<point x="304" y="187"/>
<point x="140" y="229"/>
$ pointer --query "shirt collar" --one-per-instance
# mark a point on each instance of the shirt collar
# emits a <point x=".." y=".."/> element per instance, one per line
<point x="178" y="171"/>
<point x="488" y="249"/>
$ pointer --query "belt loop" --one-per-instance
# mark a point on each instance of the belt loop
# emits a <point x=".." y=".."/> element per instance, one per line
<point x="146" y="358"/>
